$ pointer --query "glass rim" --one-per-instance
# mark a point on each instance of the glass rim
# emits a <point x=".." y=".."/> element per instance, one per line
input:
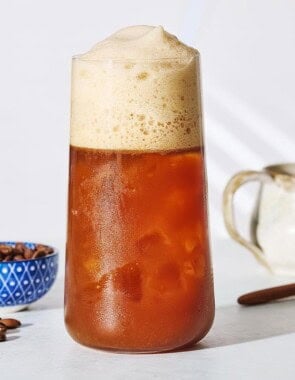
<point x="79" y="57"/>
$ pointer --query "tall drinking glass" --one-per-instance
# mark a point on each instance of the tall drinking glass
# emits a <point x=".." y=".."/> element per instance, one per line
<point x="138" y="271"/>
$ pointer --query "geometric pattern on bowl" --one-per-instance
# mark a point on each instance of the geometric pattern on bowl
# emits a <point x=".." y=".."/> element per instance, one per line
<point x="24" y="282"/>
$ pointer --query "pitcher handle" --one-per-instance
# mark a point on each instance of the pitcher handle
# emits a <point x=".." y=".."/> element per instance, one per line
<point x="228" y="210"/>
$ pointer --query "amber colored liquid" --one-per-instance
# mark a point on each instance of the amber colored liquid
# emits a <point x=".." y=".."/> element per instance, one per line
<point x="138" y="272"/>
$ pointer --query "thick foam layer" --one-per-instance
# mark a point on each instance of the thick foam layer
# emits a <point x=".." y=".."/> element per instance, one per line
<point x="137" y="90"/>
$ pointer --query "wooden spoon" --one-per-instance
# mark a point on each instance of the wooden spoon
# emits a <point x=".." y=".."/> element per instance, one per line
<point x="267" y="295"/>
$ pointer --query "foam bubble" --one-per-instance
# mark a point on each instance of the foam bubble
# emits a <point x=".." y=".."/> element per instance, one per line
<point x="137" y="90"/>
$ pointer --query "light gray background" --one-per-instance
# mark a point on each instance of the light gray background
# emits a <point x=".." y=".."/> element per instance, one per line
<point x="248" y="62"/>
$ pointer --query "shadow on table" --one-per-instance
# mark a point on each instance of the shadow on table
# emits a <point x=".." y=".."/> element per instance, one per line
<point x="12" y="338"/>
<point x="237" y="324"/>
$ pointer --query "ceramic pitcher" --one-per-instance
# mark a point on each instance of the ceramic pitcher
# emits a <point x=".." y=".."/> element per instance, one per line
<point x="273" y="221"/>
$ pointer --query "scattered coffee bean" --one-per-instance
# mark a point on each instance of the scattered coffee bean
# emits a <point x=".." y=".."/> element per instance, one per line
<point x="10" y="323"/>
<point x="3" y="328"/>
<point x="20" y="252"/>
<point x="7" y="324"/>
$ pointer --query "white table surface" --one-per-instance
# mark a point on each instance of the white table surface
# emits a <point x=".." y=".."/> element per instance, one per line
<point x="244" y="343"/>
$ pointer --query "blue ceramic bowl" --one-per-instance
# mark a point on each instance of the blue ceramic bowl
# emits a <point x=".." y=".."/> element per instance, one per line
<point x="24" y="282"/>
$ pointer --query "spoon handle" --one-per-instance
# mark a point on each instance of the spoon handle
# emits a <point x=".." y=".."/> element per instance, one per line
<point x="267" y="295"/>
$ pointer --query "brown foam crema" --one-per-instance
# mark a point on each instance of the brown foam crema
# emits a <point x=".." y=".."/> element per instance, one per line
<point x="137" y="90"/>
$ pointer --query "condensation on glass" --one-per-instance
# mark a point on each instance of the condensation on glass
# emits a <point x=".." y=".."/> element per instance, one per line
<point x="138" y="270"/>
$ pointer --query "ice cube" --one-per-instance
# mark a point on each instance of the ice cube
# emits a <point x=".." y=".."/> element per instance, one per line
<point x="152" y="242"/>
<point x="128" y="280"/>
<point x="196" y="266"/>
<point x="166" y="279"/>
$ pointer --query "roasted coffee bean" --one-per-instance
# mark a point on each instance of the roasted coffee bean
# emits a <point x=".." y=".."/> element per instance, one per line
<point x="21" y="252"/>
<point x="6" y="324"/>
<point x="38" y="254"/>
<point x="40" y="247"/>
<point x="19" y="249"/>
<point x="3" y="328"/>
<point x="8" y="258"/>
<point x="10" y="323"/>
<point x="28" y="254"/>
<point x="48" y="250"/>
<point x="5" y="249"/>
<point x="20" y="246"/>
<point x="18" y="258"/>
<point x="44" y="248"/>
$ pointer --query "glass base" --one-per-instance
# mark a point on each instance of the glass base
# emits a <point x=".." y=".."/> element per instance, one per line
<point x="139" y="350"/>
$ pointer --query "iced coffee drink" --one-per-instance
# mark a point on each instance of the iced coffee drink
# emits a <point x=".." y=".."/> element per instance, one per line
<point x="138" y="272"/>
